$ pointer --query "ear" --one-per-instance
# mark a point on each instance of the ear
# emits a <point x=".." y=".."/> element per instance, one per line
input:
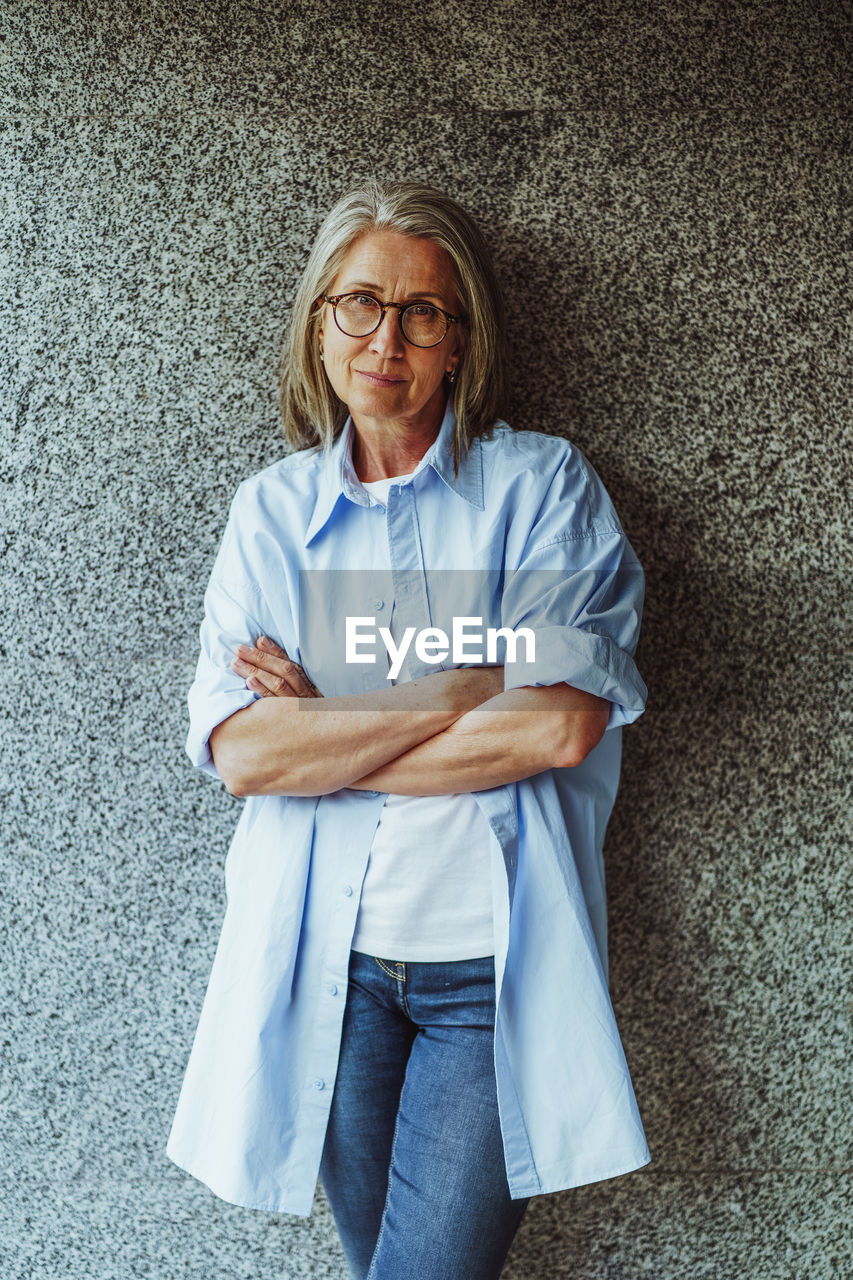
<point x="455" y="358"/>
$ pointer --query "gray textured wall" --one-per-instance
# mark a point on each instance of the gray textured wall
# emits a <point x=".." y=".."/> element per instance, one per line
<point x="662" y="185"/>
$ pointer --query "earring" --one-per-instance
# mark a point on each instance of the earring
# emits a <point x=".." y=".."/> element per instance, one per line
<point x="451" y="376"/>
<point x="322" y="357"/>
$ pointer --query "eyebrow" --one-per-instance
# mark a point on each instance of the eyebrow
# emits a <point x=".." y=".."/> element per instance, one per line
<point x="359" y="285"/>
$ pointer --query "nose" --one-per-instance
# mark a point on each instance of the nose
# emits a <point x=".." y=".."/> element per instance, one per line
<point x="387" y="340"/>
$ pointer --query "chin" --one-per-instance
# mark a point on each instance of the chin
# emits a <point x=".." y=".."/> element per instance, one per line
<point x="378" y="404"/>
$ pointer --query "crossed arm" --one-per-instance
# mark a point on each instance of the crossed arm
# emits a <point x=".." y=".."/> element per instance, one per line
<point x="450" y="731"/>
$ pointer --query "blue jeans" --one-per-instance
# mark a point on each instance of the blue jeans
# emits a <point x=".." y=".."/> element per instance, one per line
<point x="413" y="1163"/>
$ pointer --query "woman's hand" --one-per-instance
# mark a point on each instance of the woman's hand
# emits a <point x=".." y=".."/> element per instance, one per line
<point x="268" y="670"/>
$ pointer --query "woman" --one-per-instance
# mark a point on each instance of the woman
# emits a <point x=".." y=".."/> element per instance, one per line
<point x="409" y="995"/>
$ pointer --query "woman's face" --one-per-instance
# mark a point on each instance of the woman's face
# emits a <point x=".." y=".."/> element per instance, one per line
<point x="383" y="378"/>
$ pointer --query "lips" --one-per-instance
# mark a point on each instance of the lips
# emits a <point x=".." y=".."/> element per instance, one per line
<point x="379" y="379"/>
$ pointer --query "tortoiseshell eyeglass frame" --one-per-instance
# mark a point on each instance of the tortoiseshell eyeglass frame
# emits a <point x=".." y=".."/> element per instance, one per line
<point x="402" y="308"/>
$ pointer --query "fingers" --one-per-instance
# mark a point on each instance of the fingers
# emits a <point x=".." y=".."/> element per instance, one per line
<point x="263" y="682"/>
<point x="270" y="647"/>
<point x="270" y="686"/>
<point x="306" y="686"/>
<point x="268" y="671"/>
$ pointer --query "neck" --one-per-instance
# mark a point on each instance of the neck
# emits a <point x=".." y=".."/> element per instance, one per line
<point x="382" y="448"/>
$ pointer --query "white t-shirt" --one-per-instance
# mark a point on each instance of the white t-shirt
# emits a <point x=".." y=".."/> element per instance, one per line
<point x="427" y="891"/>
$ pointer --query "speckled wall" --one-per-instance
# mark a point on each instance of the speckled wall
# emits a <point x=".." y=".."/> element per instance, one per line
<point x="662" y="185"/>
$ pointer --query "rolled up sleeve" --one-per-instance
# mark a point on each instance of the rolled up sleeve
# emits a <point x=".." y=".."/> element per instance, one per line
<point x="217" y="691"/>
<point x="579" y="590"/>
<point x="235" y="612"/>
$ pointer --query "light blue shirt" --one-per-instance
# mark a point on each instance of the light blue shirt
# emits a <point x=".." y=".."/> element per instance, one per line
<point x="528" y="513"/>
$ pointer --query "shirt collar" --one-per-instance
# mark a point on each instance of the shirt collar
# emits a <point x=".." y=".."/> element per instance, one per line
<point x="338" y="478"/>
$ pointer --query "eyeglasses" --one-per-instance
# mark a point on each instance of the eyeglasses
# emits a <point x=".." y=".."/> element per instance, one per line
<point x="421" y="324"/>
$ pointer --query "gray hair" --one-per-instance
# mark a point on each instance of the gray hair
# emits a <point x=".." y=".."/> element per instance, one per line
<point x="311" y="411"/>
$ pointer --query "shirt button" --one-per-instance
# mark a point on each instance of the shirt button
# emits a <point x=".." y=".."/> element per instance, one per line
<point x="347" y="890"/>
<point x="379" y="604"/>
<point x="319" y="1084"/>
<point x="332" y="989"/>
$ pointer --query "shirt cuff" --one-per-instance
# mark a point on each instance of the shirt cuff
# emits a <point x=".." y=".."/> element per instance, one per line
<point x="586" y="661"/>
<point x="205" y="715"/>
